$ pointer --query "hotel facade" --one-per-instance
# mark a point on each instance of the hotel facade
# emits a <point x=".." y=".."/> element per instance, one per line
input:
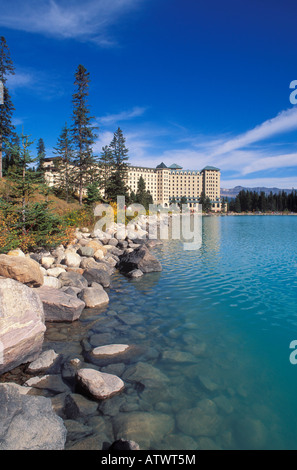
<point x="167" y="184"/>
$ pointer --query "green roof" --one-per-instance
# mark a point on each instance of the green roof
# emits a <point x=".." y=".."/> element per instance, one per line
<point x="162" y="165"/>
<point x="211" y="168"/>
<point x="174" y="166"/>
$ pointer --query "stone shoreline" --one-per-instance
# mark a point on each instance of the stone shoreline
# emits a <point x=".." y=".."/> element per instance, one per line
<point x="56" y="286"/>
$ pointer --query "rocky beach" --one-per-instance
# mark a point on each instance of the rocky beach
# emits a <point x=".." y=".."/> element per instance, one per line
<point x="54" y="388"/>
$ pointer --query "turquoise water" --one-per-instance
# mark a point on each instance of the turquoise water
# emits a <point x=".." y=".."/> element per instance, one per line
<point x="213" y="332"/>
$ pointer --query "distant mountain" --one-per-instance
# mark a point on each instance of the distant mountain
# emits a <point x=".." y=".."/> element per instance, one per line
<point x="234" y="191"/>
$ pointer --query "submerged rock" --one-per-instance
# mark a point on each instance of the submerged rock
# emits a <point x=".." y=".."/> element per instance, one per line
<point x="148" y="429"/>
<point x="110" y="350"/>
<point x="202" y="420"/>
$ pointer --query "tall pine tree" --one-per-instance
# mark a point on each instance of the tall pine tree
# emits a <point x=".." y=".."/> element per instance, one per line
<point x="105" y="166"/>
<point x="7" y="129"/>
<point x="22" y="180"/>
<point x="83" y="131"/>
<point x="116" y="185"/>
<point x="63" y="164"/>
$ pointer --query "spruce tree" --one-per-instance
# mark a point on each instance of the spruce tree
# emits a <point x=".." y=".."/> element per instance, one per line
<point x="105" y="167"/>
<point x="7" y="129"/>
<point x="40" y="156"/>
<point x="93" y="194"/>
<point x="83" y="131"/>
<point x="143" y="196"/>
<point x="64" y="163"/>
<point x="22" y="180"/>
<point x="116" y="185"/>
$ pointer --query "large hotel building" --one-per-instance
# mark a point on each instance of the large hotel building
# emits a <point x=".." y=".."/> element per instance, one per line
<point x="167" y="184"/>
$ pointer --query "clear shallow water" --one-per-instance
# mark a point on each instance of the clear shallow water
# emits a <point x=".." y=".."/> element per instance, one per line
<point x="210" y="368"/>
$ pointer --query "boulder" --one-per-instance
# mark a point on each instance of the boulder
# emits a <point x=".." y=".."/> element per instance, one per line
<point x="110" y="350"/>
<point x="53" y="383"/>
<point x="24" y="270"/>
<point x="59" y="306"/>
<point x="86" y="251"/>
<point x="43" y="362"/>
<point x="98" y="255"/>
<point x="135" y="274"/>
<point x="55" y="272"/>
<point x="94" y="296"/>
<point x="99" y="384"/>
<point x="72" y="259"/>
<point x="141" y="259"/>
<point x="73" y="279"/>
<point x="148" y="429"/>
<point x="50" y="281"/>
<point x="28" y="422"/>
<point x="77" y="406"/>
<point x="21" y="329"/>
<point x="16" y="252"/>
<point x="47" y="261"/>
<point x="97" y="275"/>
<point x="203" y="420"/>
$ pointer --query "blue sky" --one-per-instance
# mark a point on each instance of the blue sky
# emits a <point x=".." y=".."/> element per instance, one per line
<point x="192" y="82"/>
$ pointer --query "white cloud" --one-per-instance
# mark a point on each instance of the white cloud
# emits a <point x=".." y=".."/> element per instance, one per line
<point x="123" y="116"/>
<point x="88" y="20"/>
<point x="284" y="122"/>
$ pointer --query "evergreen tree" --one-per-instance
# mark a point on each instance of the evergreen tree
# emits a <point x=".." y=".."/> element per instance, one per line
<point x="63" y="164"/>
<point x="22" y="180"/>
<point x="93" y="194"/>
<point x="143" y="196"/>
<point x="116" y="185"/>
<point x="237" y="207"/>
<point x="105" y="167"/>
<point x="7" y="129"/>
<point x="83" y="131"/>
<point x="12" y="154"/>
<point x="40" y="157"/>
<point x="205" y="202"/>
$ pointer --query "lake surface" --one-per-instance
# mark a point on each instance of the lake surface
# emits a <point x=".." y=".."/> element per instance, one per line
<point x="210" y="366"/>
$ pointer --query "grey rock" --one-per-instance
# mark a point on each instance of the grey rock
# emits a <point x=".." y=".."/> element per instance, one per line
<point x="59" y="306"/>
<point x="135" y="274"/>
<point x="94" y="296"/>
<point x="21" y="329"/>
<point x="97" y="275"/>
<point x="44" y="361"/>
<point x="28" y="422"/>
<point x="72" y="279"/>
<point x="202" y="420"/>
<point x="71" y="290"/>
<point x="52" y="383"/>
<point x="76" y="430"/>
<point x="86" y="251"/>
<point x="148" y="429"/>
<point x="99" y="384"/>
<point x="77" y="406"/>
<point x="141" y="259"/>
